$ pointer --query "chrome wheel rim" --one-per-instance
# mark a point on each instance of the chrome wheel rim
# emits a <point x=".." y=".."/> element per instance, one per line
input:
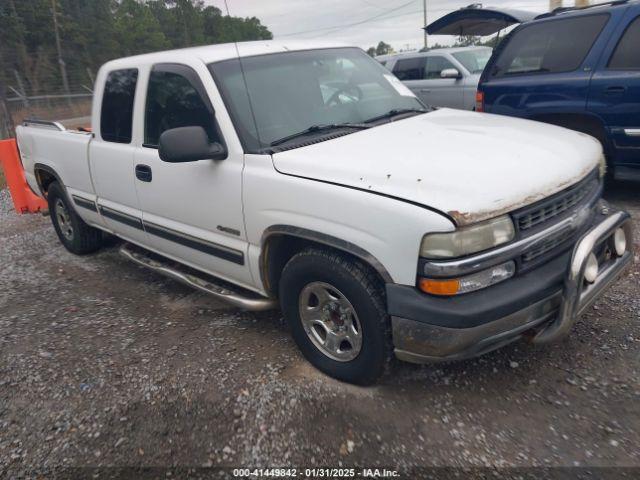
<point x="64" y="220"/>
<point x="330" y="321"/>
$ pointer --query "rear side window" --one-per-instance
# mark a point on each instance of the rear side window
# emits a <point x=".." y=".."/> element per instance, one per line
<point x="627" y="53"/>
<point x="116" y="114"/>
<point x="410" y="68"/>
<point x="176" y="98"/>
<point x="550" y="46"/>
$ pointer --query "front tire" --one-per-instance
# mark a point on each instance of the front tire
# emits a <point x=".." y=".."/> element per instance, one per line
<point x="73" y="232"/>
<point x="336" y="309"/>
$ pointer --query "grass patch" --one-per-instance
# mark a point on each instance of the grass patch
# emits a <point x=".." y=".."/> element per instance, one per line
<point x="3" y="183"/>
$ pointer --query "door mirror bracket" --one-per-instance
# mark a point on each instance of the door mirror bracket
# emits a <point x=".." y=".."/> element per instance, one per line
<point x="189" y="144"/>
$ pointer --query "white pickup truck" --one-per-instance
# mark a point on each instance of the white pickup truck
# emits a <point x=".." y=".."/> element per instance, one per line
<point x="309" y="177"/>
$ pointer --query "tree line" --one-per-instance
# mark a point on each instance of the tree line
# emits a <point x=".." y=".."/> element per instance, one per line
<point x="92" y="32"/>
<point x="461" y="41"/>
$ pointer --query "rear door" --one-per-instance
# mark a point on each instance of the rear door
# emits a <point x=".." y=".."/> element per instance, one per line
<point x="615" y="95"/>
<point x="545" y="68"/>
<point x="410" y="71"/>
<point x="111" y="154"/>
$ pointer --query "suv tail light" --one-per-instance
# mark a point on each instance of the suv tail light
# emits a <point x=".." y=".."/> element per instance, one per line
<point x="479" y="101"/>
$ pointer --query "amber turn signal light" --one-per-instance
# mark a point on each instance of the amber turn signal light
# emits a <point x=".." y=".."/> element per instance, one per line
<point x="439" y="287"/>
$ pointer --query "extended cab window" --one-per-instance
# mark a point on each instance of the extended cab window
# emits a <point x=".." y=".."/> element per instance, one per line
<point x="410" y="68"/>
<point x="176" y="98"/>
<point x="627" y="55"/>
<point x="550" y="46"/>
<point x="116" y="117"/>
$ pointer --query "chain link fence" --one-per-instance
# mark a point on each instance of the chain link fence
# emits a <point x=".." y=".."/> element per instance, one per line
<point x="71" y="110"/>
<point x="31" y="87"/>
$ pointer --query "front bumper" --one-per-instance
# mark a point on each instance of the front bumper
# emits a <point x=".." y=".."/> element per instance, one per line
<point x="543" y="310"/>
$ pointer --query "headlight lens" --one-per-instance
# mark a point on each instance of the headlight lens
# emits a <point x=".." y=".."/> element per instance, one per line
<point x="468" y="240"/>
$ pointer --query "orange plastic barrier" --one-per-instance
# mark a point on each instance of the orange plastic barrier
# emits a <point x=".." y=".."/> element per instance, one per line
<point x="24" y="200"/>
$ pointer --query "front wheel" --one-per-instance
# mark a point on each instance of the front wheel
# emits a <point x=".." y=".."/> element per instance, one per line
<point x="73" y="232"/>
<point x="335" y="307"/>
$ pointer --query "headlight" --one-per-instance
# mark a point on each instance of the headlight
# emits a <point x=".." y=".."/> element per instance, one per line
<point x="468" y="240"/>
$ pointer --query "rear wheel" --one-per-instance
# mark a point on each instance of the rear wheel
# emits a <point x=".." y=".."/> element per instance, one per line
<point x="73" y="232"/>
<point x="335" y="307"/>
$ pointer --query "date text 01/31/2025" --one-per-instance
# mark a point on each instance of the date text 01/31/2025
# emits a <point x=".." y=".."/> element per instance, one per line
<point x="315" y="473"/>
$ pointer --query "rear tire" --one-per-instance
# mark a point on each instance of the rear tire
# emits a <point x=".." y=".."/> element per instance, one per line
<point x="336" y="309"/>
<point x="73" y="232"/>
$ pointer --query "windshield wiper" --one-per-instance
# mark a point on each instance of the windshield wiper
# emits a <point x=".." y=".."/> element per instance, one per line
<point x="317" y="129"/>
<point x="395" y="112"/>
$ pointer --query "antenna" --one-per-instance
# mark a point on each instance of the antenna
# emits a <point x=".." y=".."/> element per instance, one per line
<point x="244" y="77"/>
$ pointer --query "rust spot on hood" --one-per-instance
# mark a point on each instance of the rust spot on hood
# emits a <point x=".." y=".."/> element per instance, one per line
<point x="468" y="218"/>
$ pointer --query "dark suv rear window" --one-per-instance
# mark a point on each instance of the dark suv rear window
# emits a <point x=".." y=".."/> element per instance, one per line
<point x="550" y="46"/>
<point x="627" y="56"/>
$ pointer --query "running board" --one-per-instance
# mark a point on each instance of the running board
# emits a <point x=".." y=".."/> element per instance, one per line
<point x="243" y="300"/>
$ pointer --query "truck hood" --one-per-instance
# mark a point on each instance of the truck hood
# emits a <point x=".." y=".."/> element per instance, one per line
<point x="470" y="166"/>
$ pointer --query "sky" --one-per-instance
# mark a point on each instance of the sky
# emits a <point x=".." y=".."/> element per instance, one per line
<point x="358" y="22"/>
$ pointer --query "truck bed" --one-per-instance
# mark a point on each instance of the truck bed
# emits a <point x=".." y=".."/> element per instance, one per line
<point x="49" y="144"/>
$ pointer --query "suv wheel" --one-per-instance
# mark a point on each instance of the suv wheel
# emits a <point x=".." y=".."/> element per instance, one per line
<point x="335" y="307"/>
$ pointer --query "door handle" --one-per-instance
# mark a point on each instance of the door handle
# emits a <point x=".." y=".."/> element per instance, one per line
<point x="143" y="173"/>
<point x="425" y="90"/>
<point x="615" y="90"/>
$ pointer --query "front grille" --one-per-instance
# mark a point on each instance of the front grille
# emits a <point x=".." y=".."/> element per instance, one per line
<point x="548" y="245"/>
<point x="548" y="209"/>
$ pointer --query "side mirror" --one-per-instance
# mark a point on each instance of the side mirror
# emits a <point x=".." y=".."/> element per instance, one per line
<point x="189" y="144"/>
<point x="450" y="73"/>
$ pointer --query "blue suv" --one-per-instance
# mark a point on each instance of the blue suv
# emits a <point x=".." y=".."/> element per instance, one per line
<point x="574" y="67"/>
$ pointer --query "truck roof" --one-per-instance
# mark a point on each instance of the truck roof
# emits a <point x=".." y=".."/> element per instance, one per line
<point x="215" y="53"/>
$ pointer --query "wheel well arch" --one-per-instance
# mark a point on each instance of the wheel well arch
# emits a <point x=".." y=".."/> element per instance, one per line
<point x="580" y="122"/>
<point x="281" y="242"/>
<point x="45" y="176"/>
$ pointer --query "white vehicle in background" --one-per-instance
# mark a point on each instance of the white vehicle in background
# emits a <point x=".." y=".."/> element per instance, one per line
<point x="444" y="77"/>
<point x="309" y="177"/>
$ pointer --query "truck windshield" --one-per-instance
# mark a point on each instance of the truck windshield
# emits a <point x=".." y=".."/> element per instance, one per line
<point x="284" y="94"/>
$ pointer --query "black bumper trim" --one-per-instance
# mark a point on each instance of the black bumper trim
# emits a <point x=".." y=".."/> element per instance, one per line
<point x="477" y="308"/>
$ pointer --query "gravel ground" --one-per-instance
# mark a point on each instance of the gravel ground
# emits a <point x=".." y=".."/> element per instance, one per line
<point x="105" y="364"/>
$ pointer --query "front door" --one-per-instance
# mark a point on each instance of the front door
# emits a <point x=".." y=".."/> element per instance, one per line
<point x="422" y="74"/>
<point x="192" y="212"/>
<point x="438" y="91"/>
<point x="615" y="97"/>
